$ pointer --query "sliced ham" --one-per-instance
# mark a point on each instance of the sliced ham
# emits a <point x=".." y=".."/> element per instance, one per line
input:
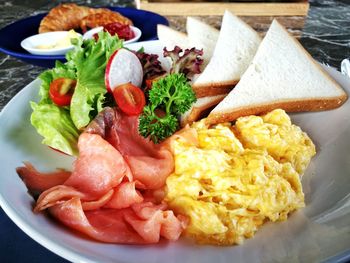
<point x="38" y="182"/>
<point x="101" y="202"/>
<point x="118" y="225"/>
<point x="102" y="196"/>
<point x="150" y="164"/>
<point x="150" y="171"/>
<point x="99" y="167"/>
<point x="104" y="225"/>
<point x="173" y="226"/>
<point x="151" y="222"/>
<point x="55" y="196"/>
<point x="124" y="196"/>
<point x="95" y="179"/>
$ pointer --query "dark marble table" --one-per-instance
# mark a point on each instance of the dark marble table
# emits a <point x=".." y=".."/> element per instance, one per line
<point x="326" y="35"/>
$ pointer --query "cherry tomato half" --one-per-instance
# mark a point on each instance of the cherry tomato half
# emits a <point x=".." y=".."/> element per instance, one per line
<point x="149" y="82"/>
<point x="129" y="98"/>
<point x="61" y="91"/>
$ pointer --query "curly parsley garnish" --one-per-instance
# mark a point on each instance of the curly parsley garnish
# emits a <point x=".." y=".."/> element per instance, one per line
<point x="169" y="97"/>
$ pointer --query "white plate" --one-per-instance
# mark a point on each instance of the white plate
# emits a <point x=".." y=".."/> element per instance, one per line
<point x="50" y="38"/>
<point x="89" y="34"/>
<point x="313" y="234"/>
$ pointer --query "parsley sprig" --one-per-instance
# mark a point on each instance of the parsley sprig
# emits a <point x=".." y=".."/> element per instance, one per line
<point x="169" y="97"/>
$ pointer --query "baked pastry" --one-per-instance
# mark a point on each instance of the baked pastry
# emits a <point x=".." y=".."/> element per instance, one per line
<point x="71" y="16"/>
<point x="63" y="17"/>
<point x="101" y="17"/>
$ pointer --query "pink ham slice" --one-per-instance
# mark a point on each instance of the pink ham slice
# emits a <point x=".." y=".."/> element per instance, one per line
<point x="105" y="225"/>
<point x="99" y="197"/>
<point x="96" y="177"/>
<point x="150" y="164"/>
<point x="124" y="196"/>
<point x="123" y="226"/>
<point x="56" y="195"/>
<point x="38" y="182"/>
<point x="151" y="222"/>
<point x="102" y="201"/>
<point x="99" y="168"/>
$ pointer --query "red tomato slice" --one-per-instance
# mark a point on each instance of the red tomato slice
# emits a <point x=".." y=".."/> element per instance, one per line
<point x="129" y="98"/>
<point x="61" y="91"/>
<point x="149" y="83"/>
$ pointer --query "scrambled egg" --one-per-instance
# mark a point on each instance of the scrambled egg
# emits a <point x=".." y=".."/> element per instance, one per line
<point x="234" y="178"/>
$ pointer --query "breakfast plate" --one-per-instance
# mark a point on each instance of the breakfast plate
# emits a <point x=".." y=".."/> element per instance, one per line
<point x="10" y="43"/>
<point x="318" y="232"/>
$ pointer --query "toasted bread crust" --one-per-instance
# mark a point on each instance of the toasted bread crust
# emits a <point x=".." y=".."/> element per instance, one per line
<point x="288" y="106"/>
<point x="196" y="112"/>
<point x="212" y="89"/>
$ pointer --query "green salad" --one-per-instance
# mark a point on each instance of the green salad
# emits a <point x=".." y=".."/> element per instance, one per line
<point x="86" y="63"/>
<point x="73" y="93"/>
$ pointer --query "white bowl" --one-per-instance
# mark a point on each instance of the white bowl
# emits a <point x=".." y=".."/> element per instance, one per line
<point x="30" y="43"/>
<point x="89" y="34"/>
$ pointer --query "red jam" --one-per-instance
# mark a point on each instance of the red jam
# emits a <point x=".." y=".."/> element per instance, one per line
<point x="122" y="31"/>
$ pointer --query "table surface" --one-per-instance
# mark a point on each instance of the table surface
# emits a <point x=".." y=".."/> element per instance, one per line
<point x="326" y="35"/>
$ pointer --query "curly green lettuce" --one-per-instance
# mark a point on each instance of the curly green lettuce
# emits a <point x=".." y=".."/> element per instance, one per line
<point x="86" y="63"/>
<point x="90" y="59"/>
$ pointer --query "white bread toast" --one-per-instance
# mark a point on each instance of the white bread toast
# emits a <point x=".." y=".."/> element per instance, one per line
<point x="170" y="37"/>
<point x="202" y="36"/>
<point x="282" y="75"/>
<point x="199" y="107"/>
<point x="234" y="50"/>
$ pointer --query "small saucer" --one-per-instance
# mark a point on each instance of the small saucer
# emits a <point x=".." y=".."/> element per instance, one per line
<point x="89" y="34"/>
<point x="50" y="38"/>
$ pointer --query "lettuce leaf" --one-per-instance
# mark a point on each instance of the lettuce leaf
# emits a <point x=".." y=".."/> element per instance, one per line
<point x="55" y="125"/>
<point x="187" y="62"/>
<point x="60" y="126"/>
<point x="52" y="122"/>
<point x="90" y="59"/>
<point x="151" y="65"/>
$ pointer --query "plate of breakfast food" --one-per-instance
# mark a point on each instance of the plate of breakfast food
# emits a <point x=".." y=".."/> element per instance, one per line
<point x="193" y="148"/>
<point x="29" y="44"/>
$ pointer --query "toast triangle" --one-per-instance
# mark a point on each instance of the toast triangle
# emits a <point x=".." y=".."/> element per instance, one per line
<point x="201" y="106"/>
<point x="202" y="36"/>
<point x="170" y="37"/>
<point x="234" y="50"/>
<point x="282" y="75"/>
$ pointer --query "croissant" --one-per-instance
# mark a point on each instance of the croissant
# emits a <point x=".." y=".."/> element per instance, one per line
<point x="101" y="17"/>
<point x="63" y="17"/>
<point x="71" y="16"/>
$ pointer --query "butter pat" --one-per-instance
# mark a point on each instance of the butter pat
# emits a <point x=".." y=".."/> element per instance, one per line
<point x="60" y="43"/>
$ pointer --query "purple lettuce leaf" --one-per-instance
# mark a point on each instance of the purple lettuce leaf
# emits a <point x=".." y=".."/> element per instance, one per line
<point x="188" y="63"/>
<point x="151" y="65"/>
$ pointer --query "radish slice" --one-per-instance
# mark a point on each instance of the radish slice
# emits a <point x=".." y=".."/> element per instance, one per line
<point x="123" y="67"/>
